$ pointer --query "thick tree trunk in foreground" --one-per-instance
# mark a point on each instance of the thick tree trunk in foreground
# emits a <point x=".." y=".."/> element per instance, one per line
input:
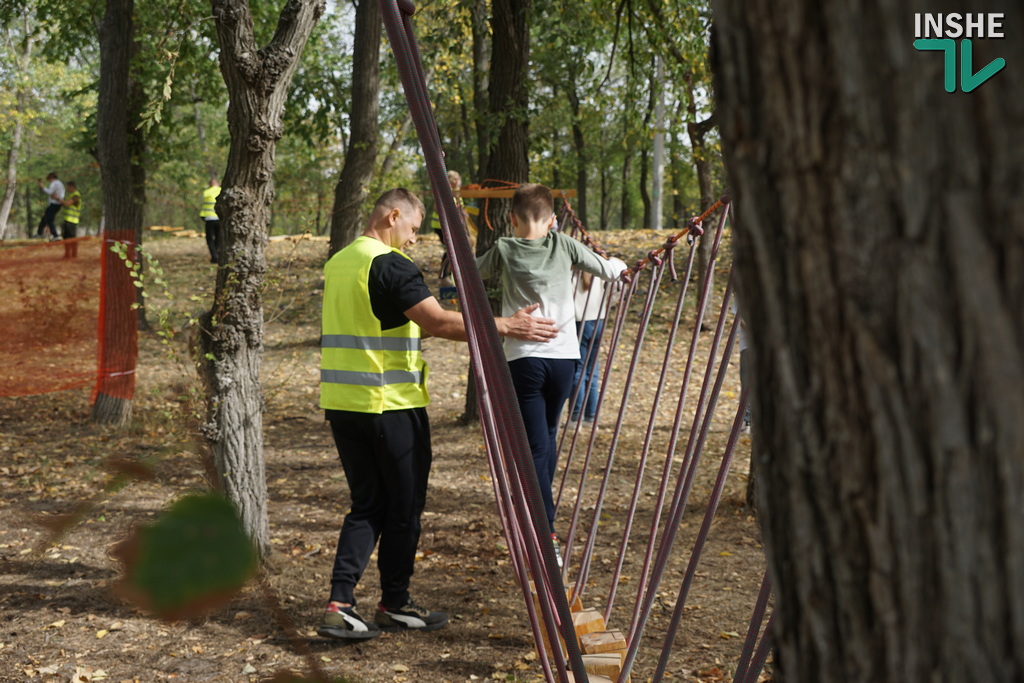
<point x="257" y="80"/>
<point x="353" y="187"/>
<point x="880" y="247"/>
<point x="112" y="400"/>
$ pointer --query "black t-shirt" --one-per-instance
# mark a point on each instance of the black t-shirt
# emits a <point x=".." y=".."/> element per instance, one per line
<point x="396" y="285"/>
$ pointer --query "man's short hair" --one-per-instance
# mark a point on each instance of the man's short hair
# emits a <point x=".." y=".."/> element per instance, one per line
<point x="532" y="202"/>
<point x="400" y="198"/>
<point x="51" y="176"/>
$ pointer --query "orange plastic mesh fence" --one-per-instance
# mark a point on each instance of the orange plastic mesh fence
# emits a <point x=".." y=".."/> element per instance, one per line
<point x="49" y="315"/>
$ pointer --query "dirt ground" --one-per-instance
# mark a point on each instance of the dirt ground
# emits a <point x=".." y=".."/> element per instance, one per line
<point x="60" y="621"/>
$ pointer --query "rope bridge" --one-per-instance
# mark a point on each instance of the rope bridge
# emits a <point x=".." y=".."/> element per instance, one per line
<point x="583" y="646"/>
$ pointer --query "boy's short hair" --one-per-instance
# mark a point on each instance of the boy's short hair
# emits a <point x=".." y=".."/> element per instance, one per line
<point x="400" y="198"/>
<point x="532" y="202"/>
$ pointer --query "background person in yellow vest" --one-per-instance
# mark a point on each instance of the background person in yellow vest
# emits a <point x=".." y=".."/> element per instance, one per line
<point x="72" y="212"/>
<point x="373" y="390"/>
<point x="210" y="219"/>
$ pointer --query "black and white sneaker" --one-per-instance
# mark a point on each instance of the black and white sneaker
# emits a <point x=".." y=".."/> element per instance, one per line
<point x="345" y="623"/>
<point x="409" y="616"/>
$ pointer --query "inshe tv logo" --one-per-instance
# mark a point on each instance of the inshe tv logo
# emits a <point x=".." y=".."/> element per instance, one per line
<point x="941" y="31"/>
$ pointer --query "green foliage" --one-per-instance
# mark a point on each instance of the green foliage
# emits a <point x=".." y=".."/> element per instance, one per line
<point x="152" y="277"/>
<point x="194" y="557"/>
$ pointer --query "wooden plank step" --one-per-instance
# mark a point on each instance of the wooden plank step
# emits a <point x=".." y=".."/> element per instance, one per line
<point x="605" y="664"/>
<point x="595" y="643"/>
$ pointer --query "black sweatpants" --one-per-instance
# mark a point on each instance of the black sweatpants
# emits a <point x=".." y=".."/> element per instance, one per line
<point x="387" y="460"/>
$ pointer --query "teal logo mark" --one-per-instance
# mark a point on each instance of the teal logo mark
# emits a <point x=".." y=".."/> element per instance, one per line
<point x="969" y="80"/>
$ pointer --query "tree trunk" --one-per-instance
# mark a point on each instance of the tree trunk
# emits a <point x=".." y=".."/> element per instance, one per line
<point x="11" y="188"/>
<point x="353" y="189"/>
<point x="880" y="247"/>
<point x="112" y="398"/>
<point x="579" y="145"/>
<point x="232" y="331"/>
<point x="697" y="132"/>
<point x="606" y="196"/>
<point x="20" y="96"/>
<point x="481" y="81"/>
<point x="626" y="209"/>
<point x="29" y="223"/>
<point x="507" y="157"/>
<point x="645" y="157"/>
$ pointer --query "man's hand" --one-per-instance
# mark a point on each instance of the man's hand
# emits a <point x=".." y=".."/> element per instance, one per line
<point x="525" y="327"/>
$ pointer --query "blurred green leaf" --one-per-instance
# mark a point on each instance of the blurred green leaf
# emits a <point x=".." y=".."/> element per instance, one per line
<point x="195" y="557"/>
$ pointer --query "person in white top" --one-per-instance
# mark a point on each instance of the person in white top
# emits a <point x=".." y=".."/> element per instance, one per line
<point x="55" y="191"/>
<point x="591" y="302"/>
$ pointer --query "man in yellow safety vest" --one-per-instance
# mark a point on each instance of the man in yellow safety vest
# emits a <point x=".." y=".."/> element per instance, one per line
<point x="210" y="219"/>
<point x="373" y="388"/>
<point x="72" y="212"/>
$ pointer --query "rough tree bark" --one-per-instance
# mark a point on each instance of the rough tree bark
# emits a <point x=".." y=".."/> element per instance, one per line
<point x="231" y="340"/>
<point x="353" y="187"/>
<point x="880" y="247"/>
<point x="112" y="403"/>
<point x="507" y="152"/>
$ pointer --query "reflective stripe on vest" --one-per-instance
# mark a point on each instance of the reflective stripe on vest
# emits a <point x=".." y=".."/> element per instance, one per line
<point x="369" y="379"/>
<point x="362" y="367"/>
<point x="351" y="341"/>
<point x="210" y="195"/>
<point x="72" y="212"/>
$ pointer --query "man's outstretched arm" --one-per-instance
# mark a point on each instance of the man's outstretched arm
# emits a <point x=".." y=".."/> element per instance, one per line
<point x="437" y="322"/>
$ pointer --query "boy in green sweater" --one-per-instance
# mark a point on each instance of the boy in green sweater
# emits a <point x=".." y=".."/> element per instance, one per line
<point x="536" y="266"/>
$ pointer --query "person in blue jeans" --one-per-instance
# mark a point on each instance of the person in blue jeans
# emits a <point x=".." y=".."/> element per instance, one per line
<point x="536" y="265"/>
<point x="591" y="306"/>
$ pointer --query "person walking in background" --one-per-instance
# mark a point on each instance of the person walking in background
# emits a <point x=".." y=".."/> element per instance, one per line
<point x="54" y="189"/>
<point x="447" y="292"/>
<point x="72" y="212"/>
<point x="373" y="389"/>
<point x="209" y="215"/>
<point x="591" y="306"/>
<point x="536" y="265"/>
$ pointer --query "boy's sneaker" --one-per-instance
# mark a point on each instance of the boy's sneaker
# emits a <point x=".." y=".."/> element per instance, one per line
<point x="345" y="623"/>
<point x="409" y="616"/>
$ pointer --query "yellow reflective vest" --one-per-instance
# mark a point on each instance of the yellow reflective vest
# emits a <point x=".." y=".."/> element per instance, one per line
<point x="73" y="211"/>
<point x="363" y="368"/>
<point x="210" y="195"/>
